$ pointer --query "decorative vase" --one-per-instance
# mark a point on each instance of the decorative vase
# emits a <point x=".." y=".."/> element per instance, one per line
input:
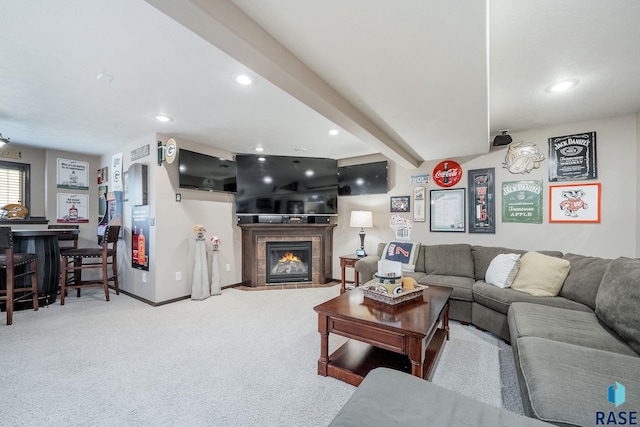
<point x="215" y="272"/>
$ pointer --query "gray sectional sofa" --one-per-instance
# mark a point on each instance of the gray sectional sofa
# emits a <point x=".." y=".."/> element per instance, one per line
<point x="569" y="348"/>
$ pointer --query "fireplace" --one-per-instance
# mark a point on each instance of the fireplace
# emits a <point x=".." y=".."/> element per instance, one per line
<point x="254" y="249"/>
<point x="288" y="262"/>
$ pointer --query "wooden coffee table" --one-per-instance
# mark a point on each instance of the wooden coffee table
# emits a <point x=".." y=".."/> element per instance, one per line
<point x="408" y="337"/>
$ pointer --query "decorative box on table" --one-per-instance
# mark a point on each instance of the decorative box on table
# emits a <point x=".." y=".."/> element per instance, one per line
<point x="387" y="286"/>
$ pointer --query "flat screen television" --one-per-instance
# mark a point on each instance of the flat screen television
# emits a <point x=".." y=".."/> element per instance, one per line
<point x="285" y="185"/>
<point x="367" y="178"/>
<point x="207" y="173"/>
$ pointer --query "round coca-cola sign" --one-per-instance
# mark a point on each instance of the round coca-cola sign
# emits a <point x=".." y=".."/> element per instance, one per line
<point x="447" y="173"/>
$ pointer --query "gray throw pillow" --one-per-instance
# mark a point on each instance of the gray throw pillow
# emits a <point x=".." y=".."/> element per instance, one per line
<point x="618" y="299"/>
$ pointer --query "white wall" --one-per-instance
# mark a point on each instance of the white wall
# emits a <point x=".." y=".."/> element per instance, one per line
<point x="175" y="222"/>
<point x="616" y="235"/>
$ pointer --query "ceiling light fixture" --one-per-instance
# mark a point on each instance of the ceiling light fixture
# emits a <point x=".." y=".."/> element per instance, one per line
<point x="163" y="118"/>
<point x="503" y="138"/>
<point x="258" y="149"/>
<point x="562" y="86"/>
<point x="3" y="140"/>
<point x="334" y="132"/>
<point x="243" y="79"/>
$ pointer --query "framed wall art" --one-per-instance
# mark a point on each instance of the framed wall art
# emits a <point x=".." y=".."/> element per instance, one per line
<point x="574" y="203"/>
<point x="400" y="204"/>
<point x="419" y="201"/>
<point x="447" y="210"/>
<point x="522" y="201"/>
<point x="573" y="157"/>
<point x="482" y="201"/>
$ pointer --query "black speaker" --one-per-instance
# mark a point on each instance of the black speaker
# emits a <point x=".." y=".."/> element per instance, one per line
<point x="502" y="140"/>
<point x="247" y="219"/>
<point x="319" y="219"/>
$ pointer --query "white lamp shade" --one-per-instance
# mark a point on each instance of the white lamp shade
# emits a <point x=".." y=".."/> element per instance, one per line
<point x="362" y="219"/>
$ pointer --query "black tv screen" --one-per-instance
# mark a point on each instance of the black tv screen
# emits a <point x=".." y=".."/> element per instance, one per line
<point x="368" y="178"/>
<point x="286" y="185"/>
<point x="203" y="172"/>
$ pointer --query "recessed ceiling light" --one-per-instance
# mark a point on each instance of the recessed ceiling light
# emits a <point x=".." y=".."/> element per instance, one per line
<point x="261" y="159"/>
<point x="243" y="79"/>
<point x="562" y="86"/>
<point x="267" y="180"/>
<point x="300" y="149"/>
<point x="258" y="149"/>
<point x="163" y="118"/>
<point x="334" y="132"/>
<point x="309" y="173"/>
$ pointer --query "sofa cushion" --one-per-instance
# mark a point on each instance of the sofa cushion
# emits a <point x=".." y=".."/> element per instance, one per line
<point x="559" y="324"/>
<point x="618" y="299"/>
<point x="449" y="260"/>
<point x="499" y="299"/>
<point x="462" y="286"/>
<point x="392" y="398"/>
<point x="483" y="255"/>
<point x="503" y="270"/>
<point x="584" y="278"/>
<point x="541" y="275"/>
<point x="405" y="253"/>
<point x="566" y="383"/>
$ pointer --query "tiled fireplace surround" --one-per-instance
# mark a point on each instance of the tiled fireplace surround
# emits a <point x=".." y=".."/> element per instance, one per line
<point x="254" y="249"/>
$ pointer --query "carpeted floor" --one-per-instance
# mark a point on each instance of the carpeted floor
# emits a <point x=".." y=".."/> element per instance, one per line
<point x="241" y="358"/>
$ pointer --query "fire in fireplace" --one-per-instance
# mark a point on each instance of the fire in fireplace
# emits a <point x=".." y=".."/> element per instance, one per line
<point x="288" y="262"/>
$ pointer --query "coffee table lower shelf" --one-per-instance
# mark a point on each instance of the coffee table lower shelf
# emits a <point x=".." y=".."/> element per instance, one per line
<point x="355" y="359"/>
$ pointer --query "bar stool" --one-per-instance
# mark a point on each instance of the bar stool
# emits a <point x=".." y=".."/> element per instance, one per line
<point x="8" y="261"/>
<point x="73" y="262"/>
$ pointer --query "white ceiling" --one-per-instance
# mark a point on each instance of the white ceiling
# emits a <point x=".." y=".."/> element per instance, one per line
<point x="411" y="79"/>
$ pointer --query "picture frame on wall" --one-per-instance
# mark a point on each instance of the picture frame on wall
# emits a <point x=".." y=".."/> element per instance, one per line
<point x="482" y="201"/>
<point x="575" y="202"/>
<point x="448" y="210"/>
<point x="400" y="204"/>
<point x="419" y="204"/>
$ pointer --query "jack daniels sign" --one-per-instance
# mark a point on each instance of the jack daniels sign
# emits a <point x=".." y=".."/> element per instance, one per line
<point x="573" y="157"/>
<point x="482" y="210"/>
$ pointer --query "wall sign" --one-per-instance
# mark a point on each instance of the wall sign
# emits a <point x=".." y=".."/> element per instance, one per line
<point x="522" y="202"/>
<point x="73" y="208"/>
<point x="447" y="173"/>
<point x="73" y="174"/>
<point x="419" y="179"/>
<point x="116" y="172"/>
<point x="482" y="210"/>
<point x="573" y="157"/>
<point x="140" y="152"/>
<point x="140" y="237"/>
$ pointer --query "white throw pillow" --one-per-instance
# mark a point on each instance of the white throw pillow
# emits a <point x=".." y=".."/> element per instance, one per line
<point x="502" y="270"/>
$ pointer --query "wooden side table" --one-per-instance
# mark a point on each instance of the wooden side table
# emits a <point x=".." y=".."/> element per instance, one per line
<point x="348" y="261"/>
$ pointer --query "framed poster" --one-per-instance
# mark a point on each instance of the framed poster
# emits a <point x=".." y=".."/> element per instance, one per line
<point x="102" y="201"/>
<point x="400" y="204"/>
<point x="574" y="203"/>
<point x="140" y="237"/>
<point x="447" y="210"/>
<point x="482" y="205"/>
<point x="73" y="208"/>
<point x="72" y="174"/>
<point x="419" y="200"/>
<point x="573" y="157"/>
<point x="522" y="201"/>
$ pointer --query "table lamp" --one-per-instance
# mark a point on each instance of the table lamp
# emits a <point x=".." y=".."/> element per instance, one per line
<point x="361" y="219"/>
